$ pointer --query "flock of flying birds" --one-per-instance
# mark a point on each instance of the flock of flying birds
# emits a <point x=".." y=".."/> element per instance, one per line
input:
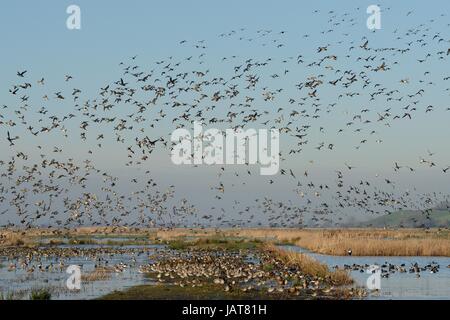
<point x="291" y="91"/>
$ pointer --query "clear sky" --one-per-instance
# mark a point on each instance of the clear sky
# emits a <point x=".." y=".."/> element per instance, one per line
<point x="34" y="37"/>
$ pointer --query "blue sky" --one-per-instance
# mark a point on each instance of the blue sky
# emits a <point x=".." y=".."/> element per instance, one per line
<point x="34" y="37"/>
<point x="34" y="33"/>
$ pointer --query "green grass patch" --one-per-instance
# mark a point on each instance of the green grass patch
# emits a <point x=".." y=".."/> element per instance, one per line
<point x="40" y="294"/>
<point x="268" y="267"/>
<point x="214" y="244"/>
<point x="135" y="242"/>
<point x="290" y="242"/>
<point x="7" y="296"/>
<point x="82" y="241"/>
<point x="175" y="292"/>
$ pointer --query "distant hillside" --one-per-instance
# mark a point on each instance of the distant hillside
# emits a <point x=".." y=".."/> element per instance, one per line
<point x="410" y="219"/>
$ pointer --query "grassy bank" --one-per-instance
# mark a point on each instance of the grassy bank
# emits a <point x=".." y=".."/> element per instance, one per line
<point x="362" y="241"/>
<point x="310" y="266"/>
<point x="174" y="292"/>
<point x="83" y="235"/>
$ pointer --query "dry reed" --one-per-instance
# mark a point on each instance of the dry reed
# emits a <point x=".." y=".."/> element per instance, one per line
<point x="310" y="266"/>
<point x="362" y="242"/>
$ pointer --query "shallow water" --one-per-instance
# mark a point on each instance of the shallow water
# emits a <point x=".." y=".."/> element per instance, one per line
<point x="20" y="282"/>
<point x="398" y="285"/>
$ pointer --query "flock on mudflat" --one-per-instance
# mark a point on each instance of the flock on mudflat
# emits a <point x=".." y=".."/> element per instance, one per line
<point x="353" y="80"/>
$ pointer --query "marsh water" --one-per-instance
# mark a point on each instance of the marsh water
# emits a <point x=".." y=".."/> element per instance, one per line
<point x="49" y="271"/>
<point x="19" y="281"/>
<point x="396" y="285"/>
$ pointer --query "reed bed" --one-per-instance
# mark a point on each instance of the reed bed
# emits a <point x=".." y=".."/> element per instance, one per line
<point x="310" y="266"/>
<point x="361" y="242"/>
<point x="99" y="274"/>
